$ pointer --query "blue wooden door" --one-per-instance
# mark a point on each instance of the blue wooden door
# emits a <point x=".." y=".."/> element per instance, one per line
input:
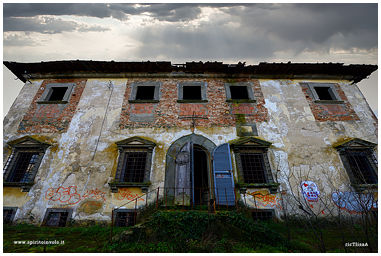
<point x="223" y="175"/>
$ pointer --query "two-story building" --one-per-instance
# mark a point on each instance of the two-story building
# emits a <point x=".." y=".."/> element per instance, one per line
<point x="84" y="138"/>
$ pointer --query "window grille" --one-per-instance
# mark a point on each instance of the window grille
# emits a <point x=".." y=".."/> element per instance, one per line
<point x="360" y="162"/>
<point x="21" y="163"/>
<point x="125" y="219"/>
<point x="8" y="215"/>
<point x="252" y="163"/>
<point x="57" y="219"/>
<point x="261" y="215"/>
<point x="134" y="166"/>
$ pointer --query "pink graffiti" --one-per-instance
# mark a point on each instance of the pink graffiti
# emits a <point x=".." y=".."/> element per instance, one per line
<point x="125" y="193"/>
<point x="69" y="195"/>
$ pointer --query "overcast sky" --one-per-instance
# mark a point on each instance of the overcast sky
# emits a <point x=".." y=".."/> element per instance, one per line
<point x="227" y="32"/>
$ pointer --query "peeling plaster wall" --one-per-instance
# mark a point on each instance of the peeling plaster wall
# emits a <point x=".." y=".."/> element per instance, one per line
<point x="82" y="160"/>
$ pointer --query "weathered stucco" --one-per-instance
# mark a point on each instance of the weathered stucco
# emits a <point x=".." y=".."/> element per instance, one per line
<point x="76" y="170"/>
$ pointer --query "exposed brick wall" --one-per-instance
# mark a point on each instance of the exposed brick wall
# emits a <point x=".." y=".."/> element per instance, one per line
<point x="215" y="112"/>
<point x="51" y="117"/>
<point x="331" y="112"/>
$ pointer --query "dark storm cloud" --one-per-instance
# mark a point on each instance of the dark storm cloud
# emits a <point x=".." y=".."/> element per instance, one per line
<point x="46" y="25"/>
<point x="260" y="29"/>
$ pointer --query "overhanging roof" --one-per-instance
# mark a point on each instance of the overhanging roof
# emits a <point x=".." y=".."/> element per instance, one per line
<point x="353" y="72"/>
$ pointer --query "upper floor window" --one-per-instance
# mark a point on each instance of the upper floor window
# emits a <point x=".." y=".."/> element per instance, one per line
<point x="324" y="93"/>
<point x="192" y="92"/>
<point x="360" y="161"/>
<point x="22" y="165"/>
<point x="56" y="93"/>
<point x="145" y="92"/>
<point x="239" y="92"/>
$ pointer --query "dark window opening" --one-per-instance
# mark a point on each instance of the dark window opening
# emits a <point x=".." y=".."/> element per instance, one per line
<point x="125" y="219"/>
<point x="252" y="165"/>
<point x="261" y="215"/>
<point x="7" y="215"/>
<point x="201" y="189"/>
<point x="58" y="93"/>
<point x="361" y="166"/>
<point x="239" y="92"/>
<point x="324" y="93"/>
<point x="135" y="164"/>
<point x="192" y="93"/>
<point x="145" y="93"/>
<point x="57" y="219"/>
<point x="23" y="166"/>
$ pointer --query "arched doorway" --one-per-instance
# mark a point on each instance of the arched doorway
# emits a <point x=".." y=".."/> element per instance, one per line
<point x="188" y="173"/>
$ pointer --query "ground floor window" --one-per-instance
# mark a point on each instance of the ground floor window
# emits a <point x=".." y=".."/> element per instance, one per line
<point x="57" y="217"/>
<point x="262" y="215"/>
<point x="125" y="218"/>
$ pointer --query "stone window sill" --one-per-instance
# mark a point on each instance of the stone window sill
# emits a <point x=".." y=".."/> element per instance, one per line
<point x="244" y="186"/>
<point x="241" y="101"/>
<point x="192" y="101"/>
<point x="26" y="186"/>
<point x="53" y="102"/>
<point x="363" y="187"/>
<point x="116" y="185"/>
<point x="143" y="101"/>
<point x="329" y="101"/>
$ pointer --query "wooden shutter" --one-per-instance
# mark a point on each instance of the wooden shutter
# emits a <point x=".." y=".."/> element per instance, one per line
<point x="223" y="175"/>
<point x="184" y="173"/>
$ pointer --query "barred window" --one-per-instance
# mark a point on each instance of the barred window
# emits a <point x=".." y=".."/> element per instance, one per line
<point x="134" y="166"/>
<point x="262" y="215"/>
<point x="57" y="217"/>
<point x="8" y="214"/>
<point x="252" y="164"/>
<point x="22" y="165"/>
<point x="125" y="218"/>
<point x="362" y="162"/>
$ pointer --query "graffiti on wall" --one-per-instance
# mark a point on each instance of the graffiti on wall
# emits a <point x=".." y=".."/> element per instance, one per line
<point x="310" y="190"/>
<point x="263" y="198"/>
<point x="70" y="195"/>
<point x="126" y="193"/>
<point x="354" y="202"/>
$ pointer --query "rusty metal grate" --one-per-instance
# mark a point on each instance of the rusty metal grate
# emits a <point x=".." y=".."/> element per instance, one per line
<point x="261" y="215"/>
<point x="359" y="160"/>
<point x="134" y="166"/>
<point x="7" y="215"/>
<point x="23" y="165"/>
<point x="125" y="219"/>
<point x="57" y="219"/>
<point x="252" y="165"/>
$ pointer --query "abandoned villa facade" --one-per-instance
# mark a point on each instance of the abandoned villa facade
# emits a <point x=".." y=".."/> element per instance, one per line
<point x="84" y="139"/>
